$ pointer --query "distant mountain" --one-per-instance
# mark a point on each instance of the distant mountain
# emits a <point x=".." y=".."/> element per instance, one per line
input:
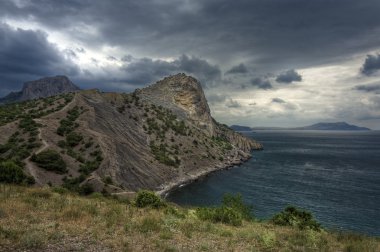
<point x="45" y="87"/>
<point x="320" y="126"/>
<point x="240" y="128"/>
<point x="332" y="126"/>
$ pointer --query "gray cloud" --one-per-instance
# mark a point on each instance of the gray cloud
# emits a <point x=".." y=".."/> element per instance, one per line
<point x="371" y="64"/>
<point x="278" y="100"/>
<point x="284" y="104"/>
<point x="216" y="98"/>
<point x="273" y="34"/>
<point x="233" y="104"/>
<point x="27" y="55"/>
<point x="261" y="83"/>
<point x="368" y="88"/>
<point x="239" y="69"/>
<point x="145" y="70"/>
<point x="288" y="77"/>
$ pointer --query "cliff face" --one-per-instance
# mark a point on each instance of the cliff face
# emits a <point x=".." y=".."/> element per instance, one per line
<point x="46" y="87"/>
<point x="155" y="138"/>
<point x="184" y="96"/>
<point x="41" y="88"/>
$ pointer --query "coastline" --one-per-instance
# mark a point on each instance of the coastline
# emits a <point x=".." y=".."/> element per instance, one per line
<point x="192" y="177"/>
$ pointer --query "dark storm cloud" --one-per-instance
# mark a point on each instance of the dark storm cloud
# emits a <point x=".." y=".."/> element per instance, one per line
<point x="286" y="105"/>
<point x="371" y="64"/>
<point x="368" y="88"/>
<point x="278" y="100"/>
<point x="146" y="70"/>
<point x="289" y="77"/>
<point x="26" y="55"/>
<point x="273" y="34"/>
<point x="239" y="69"/>
<point x="261" y="83"/>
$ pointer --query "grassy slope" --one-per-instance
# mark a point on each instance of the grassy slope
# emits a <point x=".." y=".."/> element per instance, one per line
<point x="35" y="219"/>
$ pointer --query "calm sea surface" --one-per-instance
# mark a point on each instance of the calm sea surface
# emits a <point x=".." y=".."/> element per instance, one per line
<point x="335" y="175"/>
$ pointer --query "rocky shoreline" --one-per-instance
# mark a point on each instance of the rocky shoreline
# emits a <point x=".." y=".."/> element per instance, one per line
<point x="190" y="178"/>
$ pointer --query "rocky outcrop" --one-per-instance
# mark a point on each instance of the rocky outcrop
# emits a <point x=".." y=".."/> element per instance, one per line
<point x="45" y="87"/>
<point x="184" y="96"/>
<point x="154" y="138"/>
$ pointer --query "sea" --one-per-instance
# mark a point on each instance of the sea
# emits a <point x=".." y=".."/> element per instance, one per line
<point x="333" y="174"/>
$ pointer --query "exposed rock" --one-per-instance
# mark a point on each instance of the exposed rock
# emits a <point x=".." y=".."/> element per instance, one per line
<point x="184" y="96"/>
<point x="155" y="138"/>
<point x="45" y="87"/>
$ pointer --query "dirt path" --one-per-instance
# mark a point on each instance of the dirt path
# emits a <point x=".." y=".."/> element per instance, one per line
<point x="29" y="165"/>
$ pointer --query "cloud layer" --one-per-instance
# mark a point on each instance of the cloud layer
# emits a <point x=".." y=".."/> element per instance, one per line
<point x="321" y="58"/>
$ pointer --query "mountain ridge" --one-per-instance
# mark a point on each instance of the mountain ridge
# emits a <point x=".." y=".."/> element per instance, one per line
<point x="41" y="88"/>
<point x="117" y="142"/>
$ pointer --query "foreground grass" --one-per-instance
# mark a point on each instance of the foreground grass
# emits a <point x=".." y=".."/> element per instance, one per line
<point x="35" y="219"/>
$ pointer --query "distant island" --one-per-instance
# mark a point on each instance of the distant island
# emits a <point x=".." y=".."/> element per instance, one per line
<point x="240" y="128"/>
<point x="318" y="126"/>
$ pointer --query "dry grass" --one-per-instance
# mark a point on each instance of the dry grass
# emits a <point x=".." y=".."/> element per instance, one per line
<point x="35" y="219"/>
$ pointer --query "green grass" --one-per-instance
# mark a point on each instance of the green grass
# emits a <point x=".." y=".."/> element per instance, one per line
<point x="38" y="218"/>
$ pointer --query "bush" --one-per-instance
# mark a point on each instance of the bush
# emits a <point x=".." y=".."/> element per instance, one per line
<point x="222" y="214"/>
<point x="73" y="139"/>
<point x="294" y="217"/>
<point x="236" y="202"/>
<point x="10" y="172"/>
<point x="50" y="160"/>
<point x="148" y="199"/>
<point x="232" y="211"/>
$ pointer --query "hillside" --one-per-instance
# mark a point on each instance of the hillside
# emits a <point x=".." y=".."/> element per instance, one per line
<point x="42" y="88"/>
<point x="156" y="138"/>
<point x="44" y="219"/>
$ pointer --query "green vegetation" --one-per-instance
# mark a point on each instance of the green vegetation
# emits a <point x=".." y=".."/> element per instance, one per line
<point x="75" y="146"/>
<point x="232" y="211"/>
<point x="163" y="155"/>
<point x="50" y="160"/>
<point x="148" y="199"/>
<point x="33" y="109"/>
<point x="68" y="124"/>
<point x="222" y="142"/>
<point x="295" y="217"/>
<point x="73" y="139"/>
<point x="10" y="172"/>
<point x="39" y="219"/>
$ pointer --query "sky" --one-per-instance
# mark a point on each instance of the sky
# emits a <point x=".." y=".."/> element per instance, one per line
<point x="261" y="62"/>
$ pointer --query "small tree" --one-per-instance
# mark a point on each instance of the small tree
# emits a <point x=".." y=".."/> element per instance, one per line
<point x="146" y="198"/>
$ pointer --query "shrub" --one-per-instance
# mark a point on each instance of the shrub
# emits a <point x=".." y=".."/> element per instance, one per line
<point x="85" y="189"/>
<point x="50" y="160"/>
<point x="232" y="211"/>
<point x="236" y="202"/>
<point x="295" y="217"/>
<point x="62" y="144"/>
<point x="108" y="180"/>
<point x="10" y="172"/>
<point x="73" y="139"/>
<point x="146" y="198"/>
<point x="222" y="214"/>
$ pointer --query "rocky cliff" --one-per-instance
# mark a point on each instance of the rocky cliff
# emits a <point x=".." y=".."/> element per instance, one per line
<point x="155" y="138"/>
<point x="45" y="87"/>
